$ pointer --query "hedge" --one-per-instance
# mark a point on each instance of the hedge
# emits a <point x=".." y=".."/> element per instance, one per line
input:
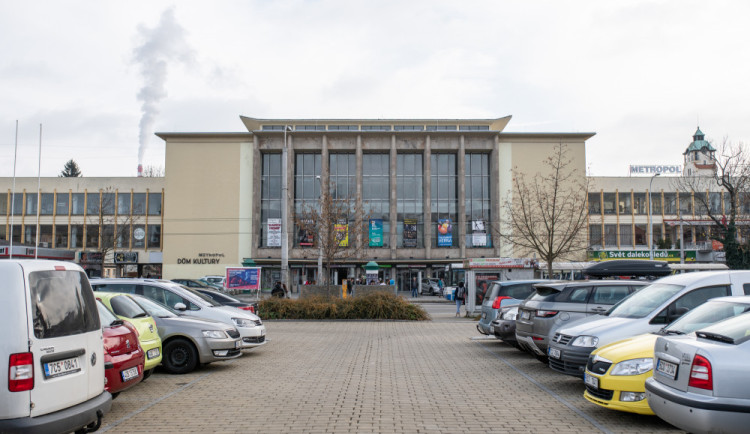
<point x="378" y="305"/>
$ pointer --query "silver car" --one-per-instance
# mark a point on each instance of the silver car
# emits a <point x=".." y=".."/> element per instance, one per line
<point x="187" y="341"/>
<point x="701" y="380"/>
<point x="556" y="304"/>
<point x="501" y="294"/>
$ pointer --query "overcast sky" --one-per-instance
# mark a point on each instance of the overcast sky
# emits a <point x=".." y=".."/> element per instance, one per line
<point x="103" y="76"/>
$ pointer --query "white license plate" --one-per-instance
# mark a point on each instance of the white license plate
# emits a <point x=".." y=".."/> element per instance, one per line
<point x="666" y="368"/>
<point x="61" y="367"/>
<point x="237" y="344"/>
<point x="591" y="380"/>
<point x="554" y="353"/>
<point x="129" y="374"/>
<point x="525" y="314"/>
<point x="153" y="353"/>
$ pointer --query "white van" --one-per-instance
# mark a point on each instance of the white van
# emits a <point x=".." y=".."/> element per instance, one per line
<point x="52" y="363"/>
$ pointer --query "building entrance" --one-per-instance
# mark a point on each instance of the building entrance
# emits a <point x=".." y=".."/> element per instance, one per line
<point x="408" y="278"/>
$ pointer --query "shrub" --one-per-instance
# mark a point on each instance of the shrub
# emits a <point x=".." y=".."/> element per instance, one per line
<point x="377" y="305"/>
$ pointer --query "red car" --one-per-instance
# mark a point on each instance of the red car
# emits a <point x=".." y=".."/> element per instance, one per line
<point x="123" y="356"/>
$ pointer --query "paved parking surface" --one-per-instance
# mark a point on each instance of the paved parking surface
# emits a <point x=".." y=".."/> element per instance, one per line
<point x="362" y="376"/>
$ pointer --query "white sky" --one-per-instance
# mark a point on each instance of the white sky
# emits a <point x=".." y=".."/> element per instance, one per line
<point x="641" y="74"/>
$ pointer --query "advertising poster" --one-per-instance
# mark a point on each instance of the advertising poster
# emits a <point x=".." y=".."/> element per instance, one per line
<point x="341" y="230"/>
<point x="410" y="232"/>
<point x="306" y="237"/>
<point x="483" y="281"/>
<point x="243" y="278"/>
<point x="376" y="233"/>
<point x="479" y="236"/>
<point x="274" y="232"/>
<point x="445" y="233"/>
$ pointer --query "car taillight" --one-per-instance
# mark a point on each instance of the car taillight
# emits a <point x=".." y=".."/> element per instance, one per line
<point x="700" y="374"/>
<point x="21" y="372"/>
<point x="250" y="308"/>
<point x="546" y="313"/>
<point x="498" y="300"/>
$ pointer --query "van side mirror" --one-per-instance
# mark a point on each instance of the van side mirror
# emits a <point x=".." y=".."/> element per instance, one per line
<point x="180" y="306"/>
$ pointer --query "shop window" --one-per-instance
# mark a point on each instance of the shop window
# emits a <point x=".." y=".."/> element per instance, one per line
<point x="61" y="236"/>
<point x="76" y="236"/>
<point x="92" y="236"/>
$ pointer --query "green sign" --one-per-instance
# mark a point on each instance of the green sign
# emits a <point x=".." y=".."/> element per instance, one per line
<point x="376" y="233"/>
<point x="659" y="255"/>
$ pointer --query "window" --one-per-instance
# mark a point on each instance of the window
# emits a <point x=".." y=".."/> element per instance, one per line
<point x="92" y="236"/>
<point x="578" y="295"/>
<point x="3" y="204"/>
<point x="123" y="305"/>
<point x="625" y="205"/>
<point x="656" y="203"/>
<point x="640" y="205"/>
<point x="376" y="127"/>
<point x="48" y="204"/>
<point x="108" y="204"/>
<point x="154" y="236"/>
<point x="441" y="128"/>
<point x="408" y="128"/>
<point x="63" y="204"/>
<point x="688" y="301"/>
<point x="29" y="235"/>
<point x="17" y="200"/>
<point x="343" y="127"/>
<point x="139" y="204"/>
<point x="310" y="127"/>
<point x="409" y="201"/>
<point x="474" y="127"/>
<point x="92" y="203"/>
<point x="376" y="191"/>
<point x="307" y="185"/>
<point x="62" y="304"/>
<point x="609" y="295"/>
<point x="45" y="236"/>
<point x="272" y="127"/>
<point x="61" y="236"/>
<point x="626" y="235"/>
<point x="608" y="203"/>
<point x="746" y="288"/>
<point x="123" y="203"/>
<point x="76" y="236"/>
<point x="154" y="204"/>
<point x="610" y="235"/>
<point x="686" y="204"/>
<point x="108" y="236"/>
<point x="670" y="204"/>
<point x="595" y="236"/>
<point x="270" y="199"/>
<point x="127" y="288"/>
<point x="139" y="236"/>
<point x="477" y="200"/>
<point x="444" y="200"/>
<point x="342" y="179"/>
<point x="31" y="204"/>
<point x="640" y="234"/>
<point x="595" y="203"/>
<point x="714" y="200"/>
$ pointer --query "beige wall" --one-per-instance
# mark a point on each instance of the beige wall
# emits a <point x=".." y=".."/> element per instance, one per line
<point x="208" y="212"/>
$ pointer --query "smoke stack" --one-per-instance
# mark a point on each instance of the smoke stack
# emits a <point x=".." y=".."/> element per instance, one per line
<point x="140" y="170"/>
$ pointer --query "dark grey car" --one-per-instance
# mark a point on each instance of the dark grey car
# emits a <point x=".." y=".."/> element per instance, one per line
<point x="556" y="304"/>
<point x="501" y="294"/>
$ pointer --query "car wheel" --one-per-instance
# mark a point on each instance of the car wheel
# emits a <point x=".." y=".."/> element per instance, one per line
<point x="115" y="395"/>
<point x="180" y="357"/>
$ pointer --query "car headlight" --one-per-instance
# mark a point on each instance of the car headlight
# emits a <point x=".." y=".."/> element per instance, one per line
<point x="510" y="314"/>
<point x="633" y="367"/>
<point x="243" y="322"/>
<point x="585" y="341"/>
<point x="215" y="334"/>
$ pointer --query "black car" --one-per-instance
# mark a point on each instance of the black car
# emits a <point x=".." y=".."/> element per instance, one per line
<point x="227" y="300"/>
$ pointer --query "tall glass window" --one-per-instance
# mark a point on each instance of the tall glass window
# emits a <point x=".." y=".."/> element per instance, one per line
<point x="670" y="204"/>
<point x="641" y="234"/>
<point x="76" y="236"/>
<point x="376" y="189"/>
<point x="270" y="199"/>
<point x="3" y="205"/>
<point x="61" y="236"/>
<point x="444" y="200"/>
<point x="31" y="204"/>
<point x="625" y="205"/>
<point x="92" y="236"/>
<point x="626" y="235"/>
<point x="610" y="235"/>
<point x="17" y="203"/>
<point x="92" y="204"/>
<point x="154" y="203"/>
<point x="409" y="200"/>
<point x="477" y="200"/>
<point x="640" y="204"/>
<point x="595" y="236"/>
<point x="595" y="204"/>
<point x="63" y="204"/>
<point x="108" y="203"/>
<point x="655" y="203"/>
<point x="48" y="204"/>
<point x="714" y="200"/>
<point x="343" y="183"/>
<point x="139" y="204"/>
<point x="686" y="203"/>
<point x="307" y="181"/>
<point x="123" y="203"/>
<point x="609" y="203"/>
<point x="154" y="236"/>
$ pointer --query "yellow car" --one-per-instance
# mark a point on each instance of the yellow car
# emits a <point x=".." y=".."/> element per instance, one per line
<point x="616" y="374"/>
<point x="148" y="335"/>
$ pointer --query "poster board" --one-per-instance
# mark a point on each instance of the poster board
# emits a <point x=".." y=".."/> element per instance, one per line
<point x="243" y="278"/>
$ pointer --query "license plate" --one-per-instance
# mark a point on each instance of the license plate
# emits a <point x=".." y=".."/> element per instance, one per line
<point x="484" y="315"/>
<point x="554" y="353"/>
<point x="591" y="380"/>
<point x="61" y="367"/>
<point x="525" y="314"/>
<point x="666" y="369"/>
<point x="237" y="344"/>
<point x="129" y="374"/>
<point x="492" y="329"/>
<point x="153" y="353"/>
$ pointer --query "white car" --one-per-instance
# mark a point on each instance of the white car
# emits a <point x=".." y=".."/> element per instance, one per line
<point x="190" y="302"/>
<point x="52" y="363"/>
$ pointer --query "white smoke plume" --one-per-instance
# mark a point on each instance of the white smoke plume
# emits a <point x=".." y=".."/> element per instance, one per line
<point x="160" y="47"/>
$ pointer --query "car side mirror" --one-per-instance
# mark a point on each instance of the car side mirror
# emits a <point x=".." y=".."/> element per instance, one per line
<point x="180" y="306"/>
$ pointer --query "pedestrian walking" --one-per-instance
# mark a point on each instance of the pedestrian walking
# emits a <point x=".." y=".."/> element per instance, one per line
<point x="440" y="286"/>
<point x="460" y="296"/>
<point x="414" y="288"/>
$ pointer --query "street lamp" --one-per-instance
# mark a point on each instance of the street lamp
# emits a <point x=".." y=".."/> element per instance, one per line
<point x="320" y="240"/>
<point x="650" y="225"/>
<point x="285" y="212"/>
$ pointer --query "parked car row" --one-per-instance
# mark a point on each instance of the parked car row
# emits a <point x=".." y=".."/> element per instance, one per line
<point x="215" y="283"/>
<point x="677" y="347"/>
<point x="84" y="342"/>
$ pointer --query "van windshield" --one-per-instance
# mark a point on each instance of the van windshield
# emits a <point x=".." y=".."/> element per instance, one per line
<point x="645" y="301"/>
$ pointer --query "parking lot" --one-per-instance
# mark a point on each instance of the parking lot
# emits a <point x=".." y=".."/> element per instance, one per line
<point x="366" y="376"/>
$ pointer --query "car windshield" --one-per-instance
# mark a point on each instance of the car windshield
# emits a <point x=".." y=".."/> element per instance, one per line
<point x="105" y="316"/>
<point x="155" y="309"/>
<point x="733" y="330"/>
<point x="645" y="301"/>
<point x="123" y="305"/>
<point x="706" y="314"/>
<point x="219" y="296"/>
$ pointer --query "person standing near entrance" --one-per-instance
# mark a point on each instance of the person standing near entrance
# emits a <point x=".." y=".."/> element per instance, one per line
<point x="460" y="295"/>
<point x="414" y="289"/>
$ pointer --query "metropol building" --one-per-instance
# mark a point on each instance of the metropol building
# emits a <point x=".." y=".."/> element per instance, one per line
<point x="431" y="189"/>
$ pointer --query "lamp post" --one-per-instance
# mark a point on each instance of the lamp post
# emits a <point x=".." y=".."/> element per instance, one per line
<point x="320" y="240"/>
<point x="285" y="212"/>
<point x="650" y="225"/>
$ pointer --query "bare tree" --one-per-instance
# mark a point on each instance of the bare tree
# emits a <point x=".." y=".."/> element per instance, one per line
<point x="114" y="229"/>
<point x="732" y="180"/>
<point x="547" y="213"/>
<point x="336" y="228"/>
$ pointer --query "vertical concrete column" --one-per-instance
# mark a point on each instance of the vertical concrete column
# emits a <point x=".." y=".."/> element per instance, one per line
<point x="461" y="196"/>
<point x="255" y="198"/>
<point x="494" y="225"/>
<point x="358" y="158"/>
<point x="290" y="192"/>
<point x="324" y="169"/>
<point x="392" y="203"/>
<point x="427" y="199"/>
